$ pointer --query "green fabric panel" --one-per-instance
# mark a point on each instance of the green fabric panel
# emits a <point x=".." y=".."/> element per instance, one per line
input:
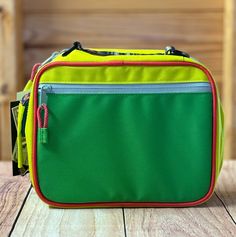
<point x="127" y="147"/>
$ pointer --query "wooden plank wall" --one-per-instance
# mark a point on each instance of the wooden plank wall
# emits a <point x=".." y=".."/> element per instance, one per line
<point x="229" y="75"/>
<point x="11" y="79"/>
<point x="193" y="26"/>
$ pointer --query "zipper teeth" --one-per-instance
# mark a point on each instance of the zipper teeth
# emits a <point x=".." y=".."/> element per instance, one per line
<point x="71" y="86"/>
<point x="117" y="88"/>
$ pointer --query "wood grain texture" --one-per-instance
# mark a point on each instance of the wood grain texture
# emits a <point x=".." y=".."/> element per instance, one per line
<point x="11" y="67"/>
<point x="5" y="142"/>
<point x="72" y="5"/>
<point x="229" y="97"/>
<point x="209" y="219"/>
<point x="11" y="44"/>
<point x="1" y="81"/>
<point x="5" y="169"/>
<point x="120" y="30"/>
<point x="226" y="187"/>
<point x="67" y="222"/>
<point x="13" y="191"/>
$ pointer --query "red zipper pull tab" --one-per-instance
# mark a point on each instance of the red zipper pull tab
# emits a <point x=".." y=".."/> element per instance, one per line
<point x="43" y="125"/>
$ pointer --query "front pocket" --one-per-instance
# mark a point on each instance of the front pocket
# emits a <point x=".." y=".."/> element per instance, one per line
<point x="126" y="143"/>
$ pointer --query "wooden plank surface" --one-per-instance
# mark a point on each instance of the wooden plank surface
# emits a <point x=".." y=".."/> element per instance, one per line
<point x="67" y="222"/>
<point x="226" y="187"/>
<point x="13" y="191"/>
<point x="5" y="169"/>
<point x="11" y="44"/>
<point x="71" y="5"/>
<point x="117" y="29"/>
<point x="213" y="218"/>
<point x="209" y="219"/>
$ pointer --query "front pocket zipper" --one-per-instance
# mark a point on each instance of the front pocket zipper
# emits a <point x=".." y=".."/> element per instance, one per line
<point x="56" y="88"/>
<point x="47" y="88"/>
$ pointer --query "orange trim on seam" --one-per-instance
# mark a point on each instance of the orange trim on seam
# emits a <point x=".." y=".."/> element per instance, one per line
<point x="34" y="71"/>
<point x="125" y="204"/>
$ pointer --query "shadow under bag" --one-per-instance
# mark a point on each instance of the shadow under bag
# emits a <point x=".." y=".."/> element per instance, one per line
<point x="123" y="128"/>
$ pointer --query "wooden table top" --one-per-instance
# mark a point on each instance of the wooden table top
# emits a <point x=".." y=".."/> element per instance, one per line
<point x="22" y="213"/>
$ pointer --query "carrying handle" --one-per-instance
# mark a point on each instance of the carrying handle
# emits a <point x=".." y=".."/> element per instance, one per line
<point x="169" y="50"/>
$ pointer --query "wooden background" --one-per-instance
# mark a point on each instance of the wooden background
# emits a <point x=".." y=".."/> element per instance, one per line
<point x="11" y="67"/>
<point x="193" y="26"/>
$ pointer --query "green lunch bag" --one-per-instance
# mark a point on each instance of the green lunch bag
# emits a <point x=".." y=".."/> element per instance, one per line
<point x="122" y="128"/>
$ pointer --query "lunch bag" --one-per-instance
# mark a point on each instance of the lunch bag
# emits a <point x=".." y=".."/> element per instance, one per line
<point x="122" y="128"/>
